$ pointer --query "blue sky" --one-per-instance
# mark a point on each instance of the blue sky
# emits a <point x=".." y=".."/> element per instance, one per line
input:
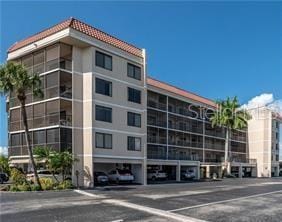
<point x="215" y="49"/>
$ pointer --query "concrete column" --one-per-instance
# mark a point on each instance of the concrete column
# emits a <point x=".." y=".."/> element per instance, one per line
<point x="144" y="173"/>
<point x="208" y="171"/>
<point x="240" y="171"/>
<point x="198" y="172"/>
<point x="178" y="172"/>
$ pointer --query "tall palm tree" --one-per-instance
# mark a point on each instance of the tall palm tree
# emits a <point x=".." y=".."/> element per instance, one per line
<point x="14" y="78"/>
<point x="231" y="116"/>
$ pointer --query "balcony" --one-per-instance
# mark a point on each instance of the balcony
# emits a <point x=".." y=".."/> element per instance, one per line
<point x="156" y="105"/>
<point x="155" y="139"/>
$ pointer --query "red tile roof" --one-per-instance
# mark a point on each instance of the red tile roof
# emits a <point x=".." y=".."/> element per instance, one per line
<point x="180" y="92"/>
<point x="81" y="27"/>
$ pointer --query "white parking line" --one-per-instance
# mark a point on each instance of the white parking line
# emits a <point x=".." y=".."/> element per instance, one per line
<point x="179" y="194"/>
<point x="224" y="201"/>
<point x="89" y="194"/>
<point x="154" y="211"/>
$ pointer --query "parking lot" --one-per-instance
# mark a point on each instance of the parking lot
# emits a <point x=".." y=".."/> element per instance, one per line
<point x="228" y="200"/>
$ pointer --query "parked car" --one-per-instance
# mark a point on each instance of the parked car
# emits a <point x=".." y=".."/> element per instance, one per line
<point x="3" y="177"/>
<point x="119" y="175"/>
<point x="156" y="175"/>
<point x="100" y="178"/>
<point x="46" y="174"/>
<point x="187" y="174"/>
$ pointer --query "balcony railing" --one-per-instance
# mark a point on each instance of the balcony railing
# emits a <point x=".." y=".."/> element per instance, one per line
<point x="156" y="123"/>
<point x="156" y="105"/>
<point x="158" y="140"/>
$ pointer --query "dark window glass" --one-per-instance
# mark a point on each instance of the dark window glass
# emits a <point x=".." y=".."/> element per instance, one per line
<point x="103" y="87"/>
<point x="103" y="114"/>
<point x="134" y="95"/>
<point x="133" y="71"/>
<point x="52" y="135"/>
<point x="39" y="137"/>
<point x="16" y="139"/>
<point x="103" y="60"/>
<point x="103" y="140"/>
<point x="134" y="143"/>
<point x="133" y="119"/>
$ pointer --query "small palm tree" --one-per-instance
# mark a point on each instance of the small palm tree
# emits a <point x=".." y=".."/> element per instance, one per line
<point x="230" y="116"/>
<point x="14" y="78"/>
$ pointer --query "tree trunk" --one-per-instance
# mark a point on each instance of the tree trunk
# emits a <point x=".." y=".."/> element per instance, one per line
<point x="226" y="152"/>
<point x="24" y="117"/>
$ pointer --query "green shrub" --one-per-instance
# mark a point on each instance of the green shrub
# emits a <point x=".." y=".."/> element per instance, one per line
<point x="65" y="185"/>
<point x="18" y="177"/>
<point x="47" y="183"/>
<point x="14" y="188"/>
<point x="24" y="187"/>
<point x="34" y="187"/>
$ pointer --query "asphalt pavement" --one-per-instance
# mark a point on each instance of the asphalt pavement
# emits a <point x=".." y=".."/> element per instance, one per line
<point x="236" y="200"/>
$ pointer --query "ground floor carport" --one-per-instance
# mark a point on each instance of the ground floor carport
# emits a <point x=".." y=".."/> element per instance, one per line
<point x="173" y="168"/>
<point x="136" y="166"/>
<point x="215" y="170"/>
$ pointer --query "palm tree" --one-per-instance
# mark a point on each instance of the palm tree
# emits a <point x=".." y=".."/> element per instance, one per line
<point x="232" y="117"/>
<point x="14" y="78"/>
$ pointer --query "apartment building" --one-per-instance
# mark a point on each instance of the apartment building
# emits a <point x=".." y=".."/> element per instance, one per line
<point x="264" y="132"/>
<point x="180" y="135"/>
<point x="100" y="105"/>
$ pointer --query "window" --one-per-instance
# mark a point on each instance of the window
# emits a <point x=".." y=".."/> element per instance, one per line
<point x="39" y="137"/>
<point x="16" y="139"/>
<point x="103" y="87"/>
<point x="134" y="95"/>
<point x="52" y="135"/>
<point x="133" y="119"/>
<point x="133" y="71"/>
<point x="103" y="114"/>
<point x="134" y="143"/>
<point x="103" y="60"/>
<point x="103" y="140"/>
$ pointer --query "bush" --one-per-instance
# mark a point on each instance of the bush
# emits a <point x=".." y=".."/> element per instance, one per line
<point x="34" y="187"/>
<point x="47" y="183"/>
<point x="24" y="187"/>
<point x="18" y="177"/>
<point x="14" y="188"/>
<point x="65" y="185"/>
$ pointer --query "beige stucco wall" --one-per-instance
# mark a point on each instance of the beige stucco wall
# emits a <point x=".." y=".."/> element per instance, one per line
<point x="85" y="99"/>
<point x="260" y="140"/>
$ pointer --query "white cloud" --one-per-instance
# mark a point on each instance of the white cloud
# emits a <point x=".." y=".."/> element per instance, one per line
<point x="4" y="150"/>
<point x="264" y="100"/>
<point x="259" y="101"/>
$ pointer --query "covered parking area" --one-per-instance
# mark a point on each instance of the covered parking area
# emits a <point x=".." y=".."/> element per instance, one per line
<point x="174" y="168"/>
<point x="108" y="164"/>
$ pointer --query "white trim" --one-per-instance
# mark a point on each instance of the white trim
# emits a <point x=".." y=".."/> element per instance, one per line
<point x="35" y="129"/>
<point x="116" y="105"/>
<point x="39" y="44"/>
<point x="117" y="157"/>
<point x="43" y="101"/>
<point x="174" y="96"/>
<point x="75" y="34"/>
<point x="110" y="78"/>
<point x="117" y="131"/>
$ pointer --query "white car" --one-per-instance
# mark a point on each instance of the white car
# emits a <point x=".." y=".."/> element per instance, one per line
<point x="119" y="175"/>
<point x="156" y="175"/>
<point x="188" y="174"/>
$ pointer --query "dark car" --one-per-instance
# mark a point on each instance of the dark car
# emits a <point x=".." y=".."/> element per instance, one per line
<point x="3" y="177"/>
<point x="100" y="178"/>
